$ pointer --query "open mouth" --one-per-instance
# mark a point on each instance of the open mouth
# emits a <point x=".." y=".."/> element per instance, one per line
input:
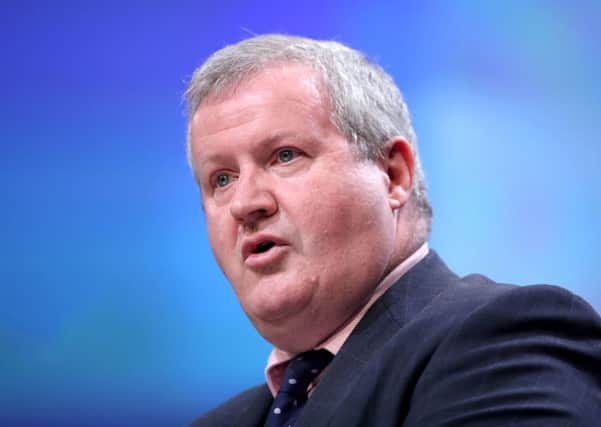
<point x="264" y="247"/>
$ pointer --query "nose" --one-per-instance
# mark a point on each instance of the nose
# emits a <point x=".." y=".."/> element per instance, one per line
<point x="252" y="201"/>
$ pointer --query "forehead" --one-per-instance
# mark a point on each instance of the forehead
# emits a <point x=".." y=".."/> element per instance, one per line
<point x="280" y="98"/>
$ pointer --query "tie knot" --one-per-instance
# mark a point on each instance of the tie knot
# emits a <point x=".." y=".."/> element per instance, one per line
<point x="303" y="369"/>
<point x="291" y="397"/>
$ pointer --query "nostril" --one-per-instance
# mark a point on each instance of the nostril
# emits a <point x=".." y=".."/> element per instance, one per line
<point x="264" y="247"/>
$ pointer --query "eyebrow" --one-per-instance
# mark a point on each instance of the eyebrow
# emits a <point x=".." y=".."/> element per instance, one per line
<point x="270" y="140"/>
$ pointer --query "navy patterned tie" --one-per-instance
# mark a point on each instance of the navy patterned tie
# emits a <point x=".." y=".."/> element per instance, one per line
<point x="292" y="394"/>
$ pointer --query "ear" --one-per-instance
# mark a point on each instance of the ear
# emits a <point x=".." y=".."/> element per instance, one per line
<point x="399" y="164"/>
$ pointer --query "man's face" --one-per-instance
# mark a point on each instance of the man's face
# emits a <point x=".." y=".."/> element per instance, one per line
<point x="302" y="231"/>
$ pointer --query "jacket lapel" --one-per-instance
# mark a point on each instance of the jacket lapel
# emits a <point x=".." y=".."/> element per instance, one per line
<point x="254" y="412"/>
<point x="408" y="296"/>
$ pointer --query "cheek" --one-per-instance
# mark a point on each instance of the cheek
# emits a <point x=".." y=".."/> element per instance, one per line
<point x="220" y="239"/>
<point x="346" y="215"/>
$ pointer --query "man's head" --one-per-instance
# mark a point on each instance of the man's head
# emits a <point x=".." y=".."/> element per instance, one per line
<point x="310" y="180"/>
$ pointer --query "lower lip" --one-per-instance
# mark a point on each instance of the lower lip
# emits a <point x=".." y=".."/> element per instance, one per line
<point x="266" y="259"/>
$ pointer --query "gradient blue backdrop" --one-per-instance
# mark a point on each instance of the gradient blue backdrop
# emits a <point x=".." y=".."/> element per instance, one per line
<point x="112" y="312"/>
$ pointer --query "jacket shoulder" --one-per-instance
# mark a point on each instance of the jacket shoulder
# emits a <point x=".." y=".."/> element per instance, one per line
<point x="525" y="349"/>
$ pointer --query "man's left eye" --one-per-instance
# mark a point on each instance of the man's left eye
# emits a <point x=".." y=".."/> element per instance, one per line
<point x="287" y="154"/>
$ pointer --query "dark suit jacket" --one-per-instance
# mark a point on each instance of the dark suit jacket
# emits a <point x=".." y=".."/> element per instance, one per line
<point x="439" y="350"/>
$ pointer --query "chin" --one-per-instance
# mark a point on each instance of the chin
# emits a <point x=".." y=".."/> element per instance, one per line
<point x="276" y="310"/>
<point x="279" y="298"/>
<point x="280" y="321"/>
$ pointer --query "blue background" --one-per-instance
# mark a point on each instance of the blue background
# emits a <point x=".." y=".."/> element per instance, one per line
<point x="112" y="311"/>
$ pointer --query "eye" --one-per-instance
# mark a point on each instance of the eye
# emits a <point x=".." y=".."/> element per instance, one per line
<point x="222" y="179"/>
<point x="286" y="154"/>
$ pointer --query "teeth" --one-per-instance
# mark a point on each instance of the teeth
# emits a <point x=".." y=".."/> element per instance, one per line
<point x="264" y="247"/>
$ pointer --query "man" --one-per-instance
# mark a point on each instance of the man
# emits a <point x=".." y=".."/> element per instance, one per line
<point x="317" y="214"/>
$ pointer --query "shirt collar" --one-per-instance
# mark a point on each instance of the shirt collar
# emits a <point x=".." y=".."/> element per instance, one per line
<point x="278" y="359"/>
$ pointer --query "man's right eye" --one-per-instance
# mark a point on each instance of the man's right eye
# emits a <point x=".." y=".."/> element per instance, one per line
<point x="222" y="179"/>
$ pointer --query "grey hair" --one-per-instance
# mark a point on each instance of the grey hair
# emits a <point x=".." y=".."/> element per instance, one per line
<point x="367" y="107"/>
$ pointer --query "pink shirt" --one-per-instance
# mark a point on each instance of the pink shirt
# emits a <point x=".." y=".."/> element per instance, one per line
<point x="278" y="359"/>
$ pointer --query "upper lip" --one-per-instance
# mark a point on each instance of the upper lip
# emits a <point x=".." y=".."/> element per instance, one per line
<point x="250" y="244"/>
